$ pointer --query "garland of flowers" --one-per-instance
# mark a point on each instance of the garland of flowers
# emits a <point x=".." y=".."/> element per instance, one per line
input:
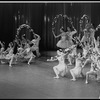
<point x="54" y="22"/>
<point x="23" y="26"/>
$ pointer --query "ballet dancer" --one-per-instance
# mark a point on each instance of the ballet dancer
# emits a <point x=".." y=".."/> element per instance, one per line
<point x="61" y="68"/>
<point x="8" y="55"/>
<point x="27" y="54"/>
<point x="72" y="55"/>
<point x="77" y="70"/>
<point x="66" y="38"/>
<point x="93" y="70"/>
<point x="35" y="44"/>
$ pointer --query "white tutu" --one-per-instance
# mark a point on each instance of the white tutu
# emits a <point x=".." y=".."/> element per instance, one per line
<point x="77" y="69"/>
<point x="64" y="44"/>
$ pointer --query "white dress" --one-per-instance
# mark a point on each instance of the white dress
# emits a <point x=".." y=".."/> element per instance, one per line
<point x="62" y="67"/>
<point x="9" y="55"/>
<point x="78" y="67"/>
<point x="65" y="41"/>
<point x="85" y="52"/>
<point x="28" y="53"/>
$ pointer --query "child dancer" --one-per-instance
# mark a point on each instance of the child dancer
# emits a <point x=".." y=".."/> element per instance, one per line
<point x="77" y="70"/>
<point x="27" y="54"/>
<point x="72" y="55"/>
<point x="66" y="38"/>
<point x="95" y="63"/>
<point x="9" y="55"/>
<point x="35" y="44"/>
<point x="61" y="68"/>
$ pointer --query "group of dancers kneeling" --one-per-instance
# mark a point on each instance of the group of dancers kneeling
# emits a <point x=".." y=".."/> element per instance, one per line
<point x="88" y="54"/>
<point x="23" y="49"/>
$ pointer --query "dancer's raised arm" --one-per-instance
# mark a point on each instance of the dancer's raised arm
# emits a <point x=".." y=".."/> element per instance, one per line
<point x="59" y="34"/>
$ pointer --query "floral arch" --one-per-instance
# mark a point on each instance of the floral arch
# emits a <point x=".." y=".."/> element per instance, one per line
<point x="30" y="30"/>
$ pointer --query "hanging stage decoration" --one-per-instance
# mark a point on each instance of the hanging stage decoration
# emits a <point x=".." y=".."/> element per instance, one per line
<point x="63" y="21"/>
<point x="21" y="27"/>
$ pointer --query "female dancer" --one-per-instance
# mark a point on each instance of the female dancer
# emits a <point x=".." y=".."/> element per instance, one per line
<point x="61" y="68"/>
<point x="85" y="38"/>
<point x="8" y="54"/>
<point x="97" y="48"/>
<point x="72" y="54"/>
<point x="85" y="49"/>
<point x="27" y="54"/>
<point x="35" y="44"/>
<point x="66" y="38"/>
<point x="2" y="48"/>
<point x="77" y="70"/>
<point x="95" y="63"/>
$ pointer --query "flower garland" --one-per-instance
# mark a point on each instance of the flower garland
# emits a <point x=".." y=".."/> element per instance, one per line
<point x="54" y="22"/>
<point x="23" y="26"/>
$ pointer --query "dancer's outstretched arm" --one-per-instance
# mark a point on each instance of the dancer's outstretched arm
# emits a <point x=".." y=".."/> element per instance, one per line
<point x="73" y="32"/>
<point x="57" y="35"/>
<point x="52" y="59"/>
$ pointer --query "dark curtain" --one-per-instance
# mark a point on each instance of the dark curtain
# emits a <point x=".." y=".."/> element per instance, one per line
<point x="6" y="23"/>
<point x="95" y="13"/>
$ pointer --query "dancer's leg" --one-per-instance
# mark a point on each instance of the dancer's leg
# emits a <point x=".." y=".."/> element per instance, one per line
<point x="30" y="60"/>
<point x="69" y="59"/>
<point x="73" y="75"/>
<point x="10" y="62"/>
<point x="37" y="52"/>
<point x="56" y="72"/>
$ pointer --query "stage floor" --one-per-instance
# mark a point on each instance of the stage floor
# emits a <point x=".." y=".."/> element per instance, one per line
<point x="36" y="82"/>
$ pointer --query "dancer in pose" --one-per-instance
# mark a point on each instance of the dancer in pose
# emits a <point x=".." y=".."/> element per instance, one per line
<point x="15" y="49"/>
<point x="2" y="48"/>
<point x="95" y="66"/>
<point x="35" y="44"/>
<point x="86" y="49"/>
<point x="27" y="54"/>
<point x="61" y="68"/>
<point x="97" y="44"/>
<point x="72" y="55"/>
<point x="85" y="38"/>
<point x="77" y="70"/>
<point x="66" y="38"/>
<point x="8" y="54"/>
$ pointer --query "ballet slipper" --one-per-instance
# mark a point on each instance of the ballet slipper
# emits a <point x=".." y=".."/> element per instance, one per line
<point x="10" y="65"/>
<point x="56" y="77"/>
<point x="86" y="82"/>
<point x="28" y="63"/>
<point x="73" y="79"/>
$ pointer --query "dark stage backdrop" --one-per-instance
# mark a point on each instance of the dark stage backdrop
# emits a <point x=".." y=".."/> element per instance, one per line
<point x="95" y="19"/>
<point x="40" y="16"/>
<point x="14" y="14"/>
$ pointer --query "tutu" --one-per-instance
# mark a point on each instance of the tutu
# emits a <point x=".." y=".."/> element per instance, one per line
<point x="28" y="55"/>
<point x="77" y="69"/>
<point x="62" y="67"/>
<point x="64" y="44"/>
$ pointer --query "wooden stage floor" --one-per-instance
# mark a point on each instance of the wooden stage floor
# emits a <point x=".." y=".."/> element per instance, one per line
<point x="36" y="82"/>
